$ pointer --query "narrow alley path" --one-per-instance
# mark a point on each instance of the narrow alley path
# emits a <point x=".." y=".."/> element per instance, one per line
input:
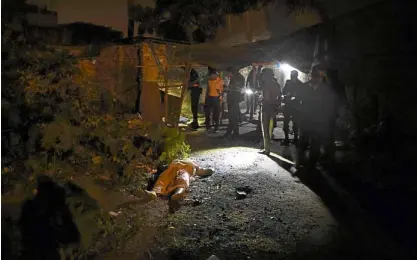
<point x="280" y="217"/>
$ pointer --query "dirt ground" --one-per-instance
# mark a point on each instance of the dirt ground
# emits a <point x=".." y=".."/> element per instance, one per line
<point x="282" y="216"/>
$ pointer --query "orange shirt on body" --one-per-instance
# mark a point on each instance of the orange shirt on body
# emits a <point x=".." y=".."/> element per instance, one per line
<point x="215" y="87"/>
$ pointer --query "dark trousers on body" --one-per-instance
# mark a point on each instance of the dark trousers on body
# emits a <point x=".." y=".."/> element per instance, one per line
<point x="212" y="108"/>
<point x="195" y="100"/>
<point x="233" y="115"/>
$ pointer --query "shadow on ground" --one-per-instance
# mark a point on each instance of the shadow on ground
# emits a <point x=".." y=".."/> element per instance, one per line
<point x="46" y="224"/>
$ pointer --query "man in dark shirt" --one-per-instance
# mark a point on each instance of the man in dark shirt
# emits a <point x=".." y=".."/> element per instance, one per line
<point x="271" y="93"/>
<point x="317" y="109"/>
<point x="253" y="84"/>
<point x="195" y="91"/>
<point x="234" y="96"/>
<point x="292" y="105"/>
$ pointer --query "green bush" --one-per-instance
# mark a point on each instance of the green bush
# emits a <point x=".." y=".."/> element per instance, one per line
<point x="55" y="120"/>
<point x="54" y="109"/>
<point x="174" y="145"/>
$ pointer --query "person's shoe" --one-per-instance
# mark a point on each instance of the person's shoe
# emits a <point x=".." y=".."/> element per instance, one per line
<point x="263" y="151"/>
<point x="179" y="194"/>
<point x="151" y="194"/>
<point x="194" y="125"/>
<point x="216" y="129"/>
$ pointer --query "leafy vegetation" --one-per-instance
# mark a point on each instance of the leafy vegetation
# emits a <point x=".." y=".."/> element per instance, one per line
<point x="57" y="120"/>
<point x="198" y="22"/>
<point x="87" y="33"/>
<point x="52" y="113"/>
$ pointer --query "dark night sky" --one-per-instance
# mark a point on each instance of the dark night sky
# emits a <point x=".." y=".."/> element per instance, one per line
<point x="112" y="13"/>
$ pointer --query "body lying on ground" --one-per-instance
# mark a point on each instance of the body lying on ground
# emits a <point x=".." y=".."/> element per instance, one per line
<point x="174" y="180"/>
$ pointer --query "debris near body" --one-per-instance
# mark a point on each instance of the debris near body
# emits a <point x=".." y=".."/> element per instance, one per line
<point x="242" y="192"/>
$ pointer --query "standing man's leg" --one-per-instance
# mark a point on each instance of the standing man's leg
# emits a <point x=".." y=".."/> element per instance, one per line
<point x="222" y="109"/>
<point x="314" y="155"/>
<point x="247" y="97"/>
<point x="295" y="127"/>
<point x="235" y="117"/>
<point x="302" y="146"/>
<point x="229" y="116"/>
<point x="286" y="126"/>
<point x="267" y="127"/>
<point x="252" y="99"/>
<point x="259" y="124"/>
<point x="195" y="99"/>
<point x="216" y="112"/>
<point x="208" y="109"/>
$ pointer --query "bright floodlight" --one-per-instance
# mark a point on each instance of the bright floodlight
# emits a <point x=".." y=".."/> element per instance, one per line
<point x="287" y="68"/>
<point x="249" y="91"/>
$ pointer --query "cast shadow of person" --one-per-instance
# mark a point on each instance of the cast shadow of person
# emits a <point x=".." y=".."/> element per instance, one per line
<point x="315" y="181"/>
<point x="46" y="223"/>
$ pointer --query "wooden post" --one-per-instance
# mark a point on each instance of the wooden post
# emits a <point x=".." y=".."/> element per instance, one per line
<point x="166" y="95"/>
<point x="164" y="72"/>
<point x="185" y="87"/>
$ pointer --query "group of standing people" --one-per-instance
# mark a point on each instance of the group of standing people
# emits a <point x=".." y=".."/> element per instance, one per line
<point x="310" y="106"/>
<point x="215" y="92"/>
